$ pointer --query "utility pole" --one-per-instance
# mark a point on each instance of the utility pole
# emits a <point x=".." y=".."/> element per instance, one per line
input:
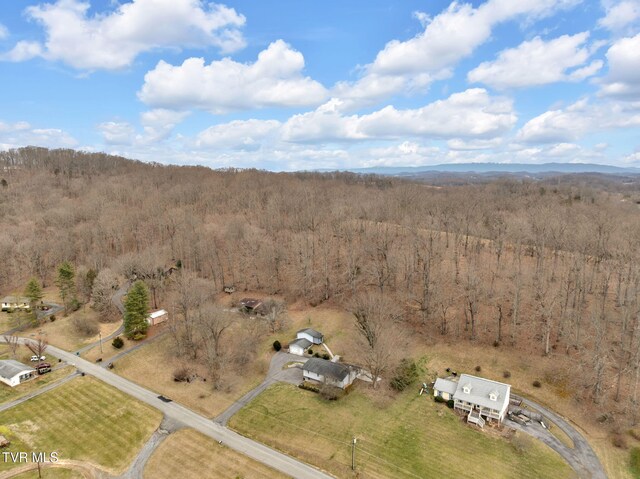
<point x="353" y="454"/>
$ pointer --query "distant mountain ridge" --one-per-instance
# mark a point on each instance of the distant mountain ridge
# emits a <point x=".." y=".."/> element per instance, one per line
<point x="485" y="168"/>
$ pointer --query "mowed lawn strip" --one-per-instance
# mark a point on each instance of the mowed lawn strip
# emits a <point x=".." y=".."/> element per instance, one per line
<point x="50" y="473"/>
<point x="412" y="436"/>
<point x="10" y="394"/>
<point x="187" y="453"/>
<point x="83" y="419"/>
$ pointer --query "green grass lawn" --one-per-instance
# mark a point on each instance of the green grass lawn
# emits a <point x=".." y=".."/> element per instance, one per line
<point x="8" y="393"/>
<point x="85" y="420"/>
<point x="410" y="436"/>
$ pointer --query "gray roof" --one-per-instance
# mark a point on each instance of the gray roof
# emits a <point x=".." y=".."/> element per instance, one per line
<point x="445" y="385"/>
<point x="9" y="368"/>
<point x="15" y="299"/>
<point x="324" y="367"/>
<point x="480" y="390"/>
<point x="311" y="332"/>
<point x="302" y="342"/>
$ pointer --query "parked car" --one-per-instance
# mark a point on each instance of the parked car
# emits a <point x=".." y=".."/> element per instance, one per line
<point x="35" y="358"/>
<point x="43" y="368"/>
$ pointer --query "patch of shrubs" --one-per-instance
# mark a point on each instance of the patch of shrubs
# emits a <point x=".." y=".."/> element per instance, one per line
<point x="450" y="403"/>
<point x="405" y="374"/>
<point x="52" y="318"/>
<point x="182" y="375"/>
<point x="536" y="384"/>
<point x="309" y="387"/>
<point x="506" y="374"/>
<point x="310" y="351"/>
<point x="478" y="369"/>
<point x="277" y="346"/>
<point x="619" y="441"/>
<point x="326" y="356"/>
<point x="331" y="393"/>
<point x="439" y="399"/>
<point x="117" y="342"/>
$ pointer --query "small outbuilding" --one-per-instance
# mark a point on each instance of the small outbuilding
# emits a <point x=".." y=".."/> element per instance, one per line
<point x="327" y="372"/>
<point x="444" y="388"/>
<point x="9" y="303"/>
<point x="299" y="346"/>
<point x="250" y="305"/>
<point x="14" y="372"/>
<point x="311" y="335"/>
<point x="157" y="317"/>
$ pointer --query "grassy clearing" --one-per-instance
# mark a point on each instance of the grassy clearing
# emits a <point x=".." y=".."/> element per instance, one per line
<point x="152" y="366"/>
<point x="85" y="420"/>
<point x="187" y="453"/>
<point x="407" y="436"/>
<point x="10" y="394"/>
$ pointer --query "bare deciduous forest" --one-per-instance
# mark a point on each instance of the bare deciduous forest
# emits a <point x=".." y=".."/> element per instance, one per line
<point x="545" y="268"/>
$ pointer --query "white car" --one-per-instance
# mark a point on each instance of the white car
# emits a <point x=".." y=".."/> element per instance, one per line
<point x="35" y="358"/>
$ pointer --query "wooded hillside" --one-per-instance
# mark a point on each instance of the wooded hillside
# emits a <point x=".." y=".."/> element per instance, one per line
<point x="547" y="267"/>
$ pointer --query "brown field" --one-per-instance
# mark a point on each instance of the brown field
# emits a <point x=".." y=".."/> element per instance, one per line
<point x="189" y="454"/>
<point x="152" y="366"/>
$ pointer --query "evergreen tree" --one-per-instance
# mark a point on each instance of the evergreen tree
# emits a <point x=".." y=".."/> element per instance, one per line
<point x="33" y="291"/>
<point x="66" y="282"/>
<point x="136" y="311"/>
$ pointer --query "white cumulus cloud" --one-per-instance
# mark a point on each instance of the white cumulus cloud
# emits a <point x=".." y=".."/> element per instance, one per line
<point x="620" y="15"/>
<point x="468" y="114"/>
<point x="574" y="122"/>
<point x="113" y="40"/>
<point x="275" y="79"/>
<point x="623" y="79"/>
<point x="21" y="133"/>
<point x="412" y="65"/>
<point x="237" y="135"/>
<point x="538" y="62"/>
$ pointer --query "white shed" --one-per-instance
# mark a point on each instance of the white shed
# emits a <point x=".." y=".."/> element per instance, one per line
<point x="299" y="346"/>
<point x="13" y="372"/>
<point x="311" y="335"/>
<point x="157" y="317"/>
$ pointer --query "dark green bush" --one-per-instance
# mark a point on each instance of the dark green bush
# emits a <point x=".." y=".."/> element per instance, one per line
<point x="405" y="374"/>
<point x="536" y="384"/>
<point x="635" y="461"/>
<point x="440" y="399"/>
<point x="326" y="356"/>
<point x="117" y="342"/>
<point x="277" y="346"/>
<point x="450" y="404"/>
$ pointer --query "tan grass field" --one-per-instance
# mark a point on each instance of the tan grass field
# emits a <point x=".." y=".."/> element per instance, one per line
<point x="152" y="366"/>
<point x="189" y="454"/>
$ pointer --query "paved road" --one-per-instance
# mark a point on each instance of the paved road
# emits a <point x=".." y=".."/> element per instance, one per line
<point x="177" y="412"/>
<point x="276" y="373"/>
<point x="581" y="457"/>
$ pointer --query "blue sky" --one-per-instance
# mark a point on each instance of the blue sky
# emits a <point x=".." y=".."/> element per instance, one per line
<point x="302" y="84"/>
